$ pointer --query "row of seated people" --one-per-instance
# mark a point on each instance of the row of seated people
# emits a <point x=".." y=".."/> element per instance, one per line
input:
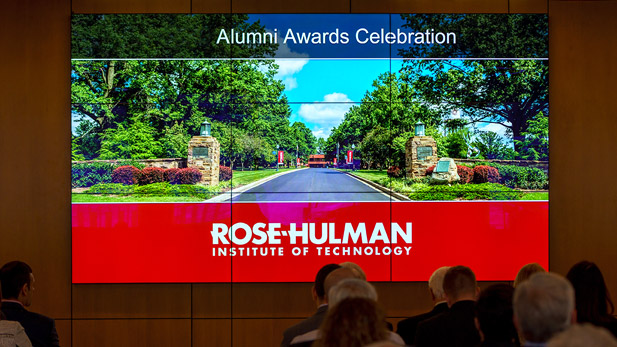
<point x="540" y="309"/>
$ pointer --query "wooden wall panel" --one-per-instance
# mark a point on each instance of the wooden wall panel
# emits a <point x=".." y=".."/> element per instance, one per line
<point x="132" y="301"/>
<point x="429" y="6"/>
<point x="583" y="202"/>
<point x="132" y="332"/>
<point x="528" y="6"/>
<point x="63" y="327"/>
<point x="210" y="6"/>
<point x="260" y="332"/>
<point x="131" y="6"/>
<point x="269" y="300"/>
<point x="211" y="300"/>
<point x="284" y="6"/>
<point x="34" y="144"/>
<point x="211" y="332"/>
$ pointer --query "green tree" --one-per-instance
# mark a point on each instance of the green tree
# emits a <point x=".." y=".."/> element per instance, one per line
<point x="534" y="144"/>
<point x="491" y="146"/>
<point x="506" y="92"/>
<point x="136" y="141"/>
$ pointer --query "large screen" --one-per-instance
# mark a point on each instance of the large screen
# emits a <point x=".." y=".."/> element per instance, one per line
<point x="260" y="147"/>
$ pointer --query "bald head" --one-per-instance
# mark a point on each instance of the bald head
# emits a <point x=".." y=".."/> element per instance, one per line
<point x="336" y="276"/>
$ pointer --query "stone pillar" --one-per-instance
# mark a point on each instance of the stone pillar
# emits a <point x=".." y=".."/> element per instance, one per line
<point x="204" y="154"/>
<point x="420" y="154"/>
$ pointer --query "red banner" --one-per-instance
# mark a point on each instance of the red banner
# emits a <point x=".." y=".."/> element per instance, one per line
<point x="335" y="159"/>
<point x="280" y="157"/>
<point x="289" y="242"/>
<point x="349" y="157"/>
<point x="297" y="162"/>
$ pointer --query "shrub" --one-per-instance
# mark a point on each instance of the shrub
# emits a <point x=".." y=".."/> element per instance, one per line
<point x="430" y="170"/>
<point x="110" y="188"/>
<point x="465" y="173"/>
<point x="394" y="171"/>
<point x="154" y="189"/>
<point x="170" y="175"/>
<point x="127" y="174"/>
<point x="186" y="176"/>
<point x="522" y="177"/>
<point x="483" y="191"/>
<point x="151" y="175"/>
<point x="89" y="174"/>
<point x="225" y="173"/>
<point x="485" y="174"/>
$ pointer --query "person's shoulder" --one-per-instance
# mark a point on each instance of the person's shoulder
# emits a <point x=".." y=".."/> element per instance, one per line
<point x="40" y="317"/>
<point x="9" y="326"/>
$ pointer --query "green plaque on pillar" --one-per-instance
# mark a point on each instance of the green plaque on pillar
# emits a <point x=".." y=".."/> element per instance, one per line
<point x="200" y="152"/>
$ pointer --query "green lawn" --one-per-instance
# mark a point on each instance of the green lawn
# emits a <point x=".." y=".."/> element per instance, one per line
<point x="372" y="175"/>
<point x="535" y="196"/>
<point x="241" y="178"/>
<point x="130" y="198"/>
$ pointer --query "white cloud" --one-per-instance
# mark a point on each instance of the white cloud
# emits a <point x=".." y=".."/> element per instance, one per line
<point x="290" y="83"/>
<point x="325" y="114"/>
<point x="497" y="128"/>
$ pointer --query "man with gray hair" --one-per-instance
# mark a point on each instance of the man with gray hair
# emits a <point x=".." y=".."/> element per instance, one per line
<point x="543" y="307"/>
<point x="407" y="327"/>
<point x="351" y="288"/>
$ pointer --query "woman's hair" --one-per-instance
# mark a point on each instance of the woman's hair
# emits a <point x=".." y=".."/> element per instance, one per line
<point x="593" y="303"/>
<point x="353" y="322"/>
<point x="526" y="271"/>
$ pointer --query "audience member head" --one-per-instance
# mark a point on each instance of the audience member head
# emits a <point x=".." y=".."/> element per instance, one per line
<point x="319" y="291"/>
<point x="593" y="303"/>
<point x="435" y="284"/>
<point x="526" y="271"/>
<point x="351" y="288"/>
<point x="459" y="283"/>
<point x="353" y="322"/>
<point x="17" y="282"/>
<point x="583" y="335"/>
<point x="494" y="314"/>
<point x="543" y="306"/>
<point x="355" y="268"/>
<point x="335" y="277"/>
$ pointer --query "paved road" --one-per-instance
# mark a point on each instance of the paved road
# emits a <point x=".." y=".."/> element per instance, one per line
<point x="313" y="185"/>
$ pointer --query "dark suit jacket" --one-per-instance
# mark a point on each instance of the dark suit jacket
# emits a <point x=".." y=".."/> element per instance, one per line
<point x="41" y="330"/>
<point x="453" y="328"/>
<point x="407" y="327"/>
<point x="311" y="323"/>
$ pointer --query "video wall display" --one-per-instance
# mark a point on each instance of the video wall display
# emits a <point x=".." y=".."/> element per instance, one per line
<point x="260" y="147"/>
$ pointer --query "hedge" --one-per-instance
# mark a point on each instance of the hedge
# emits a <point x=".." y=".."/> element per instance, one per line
<point x="89" y="174"/>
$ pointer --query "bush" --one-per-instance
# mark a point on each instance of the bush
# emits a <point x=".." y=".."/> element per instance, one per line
<point x="485" y="174"/>
<point x="154" y="189"/>
<point x="394" y="171"/>
<point x="522" y="177"/>
<point x="151" y="175"/>
<point x="225" y="173"/>
<point x="430" y="170"/>
<point x="170" y="175"/>
<point x="186" y="176"/>
<point x="465" y="173"/>
<point x="110" y="188"/>
<point x="127" y="174"/>
<point x="89" y="174"/>
<point x="484" y="191"/>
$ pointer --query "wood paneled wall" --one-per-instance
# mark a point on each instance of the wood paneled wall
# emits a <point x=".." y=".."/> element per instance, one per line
<point x="35" y="190"/>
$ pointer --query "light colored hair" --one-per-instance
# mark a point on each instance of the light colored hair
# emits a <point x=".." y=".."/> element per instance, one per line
<point x="355" y="268"/>
<point x="435" y="283"/>
<point x="583" y="335"/>
<point x="526" y="271"/>
<point x="351" y="288"/>
<point x="543" y="306"/>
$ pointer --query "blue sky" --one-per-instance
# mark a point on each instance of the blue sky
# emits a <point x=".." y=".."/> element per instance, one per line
<point x="320" y="92"/>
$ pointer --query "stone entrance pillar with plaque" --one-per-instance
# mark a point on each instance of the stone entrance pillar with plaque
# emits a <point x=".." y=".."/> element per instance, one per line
<point x="204" y="154"/>
<point x="420" y="154"/>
